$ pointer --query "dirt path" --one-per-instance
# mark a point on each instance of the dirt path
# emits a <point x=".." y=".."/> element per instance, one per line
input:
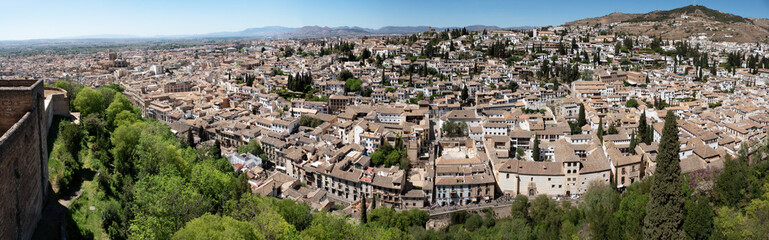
<point x="67" y="201"/>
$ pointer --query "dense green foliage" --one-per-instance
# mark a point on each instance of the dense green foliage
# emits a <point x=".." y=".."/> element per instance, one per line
<point x="216" y="227"/>
<point x="300" y="82"/>
<point x="344" y="75"/>
<point x="388" y="155"/>
<point x="352" y="85"/>
<point x="454" y="129"/>
<point x="254" y="148"/>
<point x="153" y="186"/>
<point x="89" y="101"/>
<point x="308" y="121"/>
<point x="632" y="103"/>
<point x="65" y="157"/>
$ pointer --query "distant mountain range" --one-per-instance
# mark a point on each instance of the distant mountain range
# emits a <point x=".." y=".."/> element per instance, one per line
<point x="684" y="22"/>
<point x="306" y="32"/>
<point x="318" y="31"/>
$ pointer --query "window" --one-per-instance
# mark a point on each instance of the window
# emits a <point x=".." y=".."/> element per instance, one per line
<point x="508" y="175"/>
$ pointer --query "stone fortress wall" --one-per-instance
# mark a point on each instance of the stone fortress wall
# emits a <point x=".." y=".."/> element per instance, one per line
<point x="26" y="111"/>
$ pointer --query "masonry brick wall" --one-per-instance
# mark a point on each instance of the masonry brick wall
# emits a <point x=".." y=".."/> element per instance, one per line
<point x="23" y="158"/>
<point x="20" y="180"/>
<point x="14" y="103"/>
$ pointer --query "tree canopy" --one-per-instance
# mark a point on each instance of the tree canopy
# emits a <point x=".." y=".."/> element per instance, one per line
<point x="89" y="101"/>
<point x="352" y="85"/>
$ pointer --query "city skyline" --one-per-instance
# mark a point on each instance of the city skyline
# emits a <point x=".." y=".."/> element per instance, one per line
<point x="148" y="19"/>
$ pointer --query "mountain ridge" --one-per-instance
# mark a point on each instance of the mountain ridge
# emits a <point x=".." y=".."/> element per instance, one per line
<point x="300" y="32"/>
<point x="325" y="31"/>
<point x="684" y="22"/>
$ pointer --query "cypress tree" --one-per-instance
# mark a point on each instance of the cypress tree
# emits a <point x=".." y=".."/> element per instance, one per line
<point x="464" y="95"/>
<point x="664" y="212"/>
<point x="363" y="215"/>
<point x="600" y="130"/>
<point x="190" y="139"/>
<point x="633" y="143"/>
<point x="217" y="150"/>
<point x="384" y="78"/>
<point x="535" y="150"/>
<point x="202" y="134"/>
<point x="581" y="119"/>
<point x="642" y="135"/>
<point x="649" y="134"/>
<point x="373" y="202"/>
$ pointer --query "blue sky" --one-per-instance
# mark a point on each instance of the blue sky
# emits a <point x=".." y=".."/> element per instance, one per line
<point x="34" y="19"/>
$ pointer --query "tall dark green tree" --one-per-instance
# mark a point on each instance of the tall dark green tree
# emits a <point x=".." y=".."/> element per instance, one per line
<point x="373" y="202"/>
<point x="664" y="218"/>
<point x="202" y="134"/>
<point x="72" y="136"/>
<point x="649" y="134"/>
<point x="464" y="95"/>
<point x="217" y="149"/>
<point x="344" y="75"/>
<point x="633" y="143"/>
<point x="642" y="135"/>
<point x="599" y="132"/>
<point x="190" y="139"/>
<point x="581" y="119"/>
<point x="535" y="149"/>
<point x="363" y="215"/>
